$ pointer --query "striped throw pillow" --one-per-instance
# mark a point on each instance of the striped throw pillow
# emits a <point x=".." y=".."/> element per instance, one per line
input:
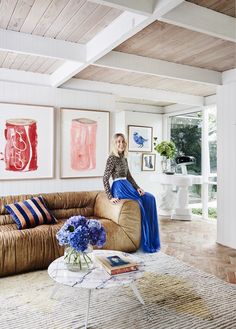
<point x="30" y="213"/>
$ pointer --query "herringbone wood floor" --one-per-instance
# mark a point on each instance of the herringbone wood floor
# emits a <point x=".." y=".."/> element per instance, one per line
<point x="194" y="242"/>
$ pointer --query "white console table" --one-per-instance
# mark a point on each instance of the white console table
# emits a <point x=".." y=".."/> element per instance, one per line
<point x="174" y="197"/>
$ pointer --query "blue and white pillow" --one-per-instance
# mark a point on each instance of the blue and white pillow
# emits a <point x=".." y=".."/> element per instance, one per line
<point x="30" y="213"/>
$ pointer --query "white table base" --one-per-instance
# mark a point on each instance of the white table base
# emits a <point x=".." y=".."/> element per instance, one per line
<point x="95" y="278"/>
<point x="136" y="293"/>
<point x="87" y="312"/>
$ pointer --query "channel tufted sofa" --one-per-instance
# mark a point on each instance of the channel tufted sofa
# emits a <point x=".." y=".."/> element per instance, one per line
<point x="35" y="248"/>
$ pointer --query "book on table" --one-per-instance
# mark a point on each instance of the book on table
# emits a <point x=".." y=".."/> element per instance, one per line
<point x="116" y="264"/>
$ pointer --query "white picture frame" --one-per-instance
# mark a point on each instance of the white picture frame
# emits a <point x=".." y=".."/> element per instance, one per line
<point x="26" y="141"/>
<point x="148" y="162"/>
<point x="84" y="142"/>
<point x="140" y="138"/>
<point x="135" y="162"/>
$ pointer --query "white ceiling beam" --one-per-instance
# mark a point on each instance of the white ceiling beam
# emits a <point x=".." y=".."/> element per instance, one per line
<point x="143" y="7"/>
<point x="229" y="76"/>
<point x="201" y="19"/>
<point x="135" y="92"/>
<point x="177" y="108"/>
<point x="40" y="46"/>
<point x="58" y="97"/>
<point x="135" y="107"/>
<point x="122" y="28"/>
<point x="210" y="100"/>
<point x="24" y="77"/>
<point x="125" y="26"/>
<point x="164" y="6"/>
<point x="64" y="72"/>
<point x="156" y="67"/>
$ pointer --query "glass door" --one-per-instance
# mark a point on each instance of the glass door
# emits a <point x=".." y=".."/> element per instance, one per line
<point x="212" y="174"/>
<point x="195" y="134"/>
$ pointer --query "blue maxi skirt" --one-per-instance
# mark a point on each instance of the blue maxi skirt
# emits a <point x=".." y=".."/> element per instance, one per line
<point x="150" y="239"/>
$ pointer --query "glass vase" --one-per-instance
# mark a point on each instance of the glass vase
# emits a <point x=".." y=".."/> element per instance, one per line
<point x="78" y="260"/>
<point x="165" y="164"/>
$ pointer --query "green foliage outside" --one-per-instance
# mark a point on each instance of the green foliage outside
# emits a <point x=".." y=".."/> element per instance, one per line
<point x="187" y="139"/>
<point x="212" y="213"/>
<point x="213" y="141"/>
<point x="213" y="156"/>
<point x="186" y="133"/>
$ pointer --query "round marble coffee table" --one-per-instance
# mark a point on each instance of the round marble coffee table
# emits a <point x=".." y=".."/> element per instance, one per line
<point x="96" y="277"/>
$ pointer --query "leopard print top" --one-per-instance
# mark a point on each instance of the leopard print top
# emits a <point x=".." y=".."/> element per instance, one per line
<point x="116" y="167"/>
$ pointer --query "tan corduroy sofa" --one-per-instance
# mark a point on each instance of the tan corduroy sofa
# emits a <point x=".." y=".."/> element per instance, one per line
<point x="36" y="248"/>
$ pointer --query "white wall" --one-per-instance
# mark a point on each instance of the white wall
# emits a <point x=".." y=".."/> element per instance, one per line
<point x="143" y="178"/>
<point x="37" y="95"/>
<point x="226" y="165"/>
<point x="26" y="94"/>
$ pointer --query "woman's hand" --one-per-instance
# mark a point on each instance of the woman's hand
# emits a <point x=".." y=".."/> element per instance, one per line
<point x="115" y="200"/>
<point x="140" y="191"/>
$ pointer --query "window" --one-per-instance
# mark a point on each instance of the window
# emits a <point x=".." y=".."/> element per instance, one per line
<point x="212" y="169"/>
<point x="186" y="133"/>
<point x="195" y="134"/>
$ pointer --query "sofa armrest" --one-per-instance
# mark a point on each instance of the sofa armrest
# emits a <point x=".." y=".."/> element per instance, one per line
<point x="126" y="214"/>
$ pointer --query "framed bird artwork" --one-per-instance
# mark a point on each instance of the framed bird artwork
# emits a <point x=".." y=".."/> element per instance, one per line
<point x="140" y="138"/>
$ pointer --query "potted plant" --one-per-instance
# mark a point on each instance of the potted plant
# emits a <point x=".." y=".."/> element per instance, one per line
<point x="167" y="150"/>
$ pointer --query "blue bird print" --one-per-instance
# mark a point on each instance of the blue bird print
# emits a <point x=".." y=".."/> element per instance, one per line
<point x="139" y="139"/>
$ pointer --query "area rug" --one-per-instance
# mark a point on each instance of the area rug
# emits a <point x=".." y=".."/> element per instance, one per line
<point x="177" y="296"/>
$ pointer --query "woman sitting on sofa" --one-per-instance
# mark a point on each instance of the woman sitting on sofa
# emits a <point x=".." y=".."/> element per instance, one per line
<point x="125" y="187"/>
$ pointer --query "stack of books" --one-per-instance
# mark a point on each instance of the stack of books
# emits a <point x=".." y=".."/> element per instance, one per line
<point x="115" y="264"/>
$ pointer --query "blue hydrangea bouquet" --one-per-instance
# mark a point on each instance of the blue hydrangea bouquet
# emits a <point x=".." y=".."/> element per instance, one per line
<point x="79" y="235"/>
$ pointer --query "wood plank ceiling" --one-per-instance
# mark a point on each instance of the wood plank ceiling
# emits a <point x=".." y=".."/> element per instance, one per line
<point x="96" y="73"/>
<point x="175" y="44"/>
<point x="74" y="20"/>
<point x="29" y="63"/>
<point x="80" y="20"/>
<point x="227" y="7"/>
<point x="179" y="45"/>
